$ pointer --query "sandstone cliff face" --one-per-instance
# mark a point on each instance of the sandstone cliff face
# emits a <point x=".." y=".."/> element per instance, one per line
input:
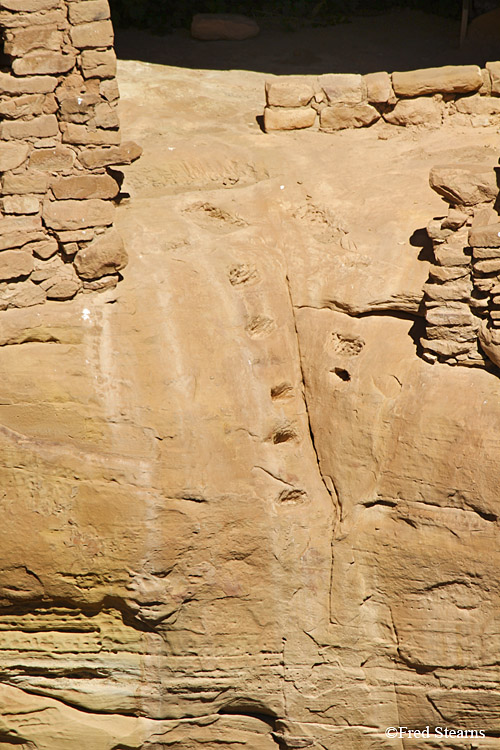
<point x="239" y="510"/>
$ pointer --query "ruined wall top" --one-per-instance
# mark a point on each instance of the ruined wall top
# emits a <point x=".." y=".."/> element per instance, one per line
<point x="59" y="139"/>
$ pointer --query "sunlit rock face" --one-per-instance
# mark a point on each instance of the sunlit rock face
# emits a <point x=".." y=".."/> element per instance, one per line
<point x="240" y="510"/>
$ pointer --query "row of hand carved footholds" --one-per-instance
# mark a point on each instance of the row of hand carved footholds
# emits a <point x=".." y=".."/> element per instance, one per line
<point x="462" y="295"/>
<point x="59" y="141"/>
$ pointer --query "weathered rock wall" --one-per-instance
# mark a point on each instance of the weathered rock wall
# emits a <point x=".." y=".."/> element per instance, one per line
<point x="59" y="139"/>
<point x="464" y="95"/>
<point x="238" y="510"/>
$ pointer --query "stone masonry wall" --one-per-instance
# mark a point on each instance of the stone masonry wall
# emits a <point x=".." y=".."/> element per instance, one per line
<point x="427" y="97"/>
<point x="59" y="139"/>
<point x="462" y="295"/>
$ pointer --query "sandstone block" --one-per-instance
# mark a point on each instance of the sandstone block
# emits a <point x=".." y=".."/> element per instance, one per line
<point x="223" y="26"/>
<point x="493" y="69"/>
<point x="27" y="105"/>
<point x="12" y="155"/>
<point x="289" y="91"/>
<point x="446" y="348"/>
<point x="378" y="87"/>
<point x="420" y="111"/>
<point x="20" y="41"/>
<point x="451" y="290"/>
<point x="104" y="256"/>
<point x="20" y="204"/>
<point x="109" y="89"/>
<point x="106" y="116"/>
<point x="28" y="6"/>
<point x="450" y="315"/>
<point x="41" y="62"/>
<point x="82" y="105"/>
<point x="454" y="220"/>
<point x="452" y="333"/>
<point x="58" y="159"/>
<point x="448" y="273"/>
<point x="26" y="224"/>
<point x="465" y="186"/>
<point x="20" y="238"/>
<point x="76" y="235"/>
<point x="82" y="135"/>
<point x="126" y="153"/>
<point x="44" y="270"/>
<point x="478" y="105"/>
<point x="17" y="19"/>
<point x="345" y="88"/>
<point x="39" y="127"/>
<point x="30" y="181"/>
<point x="75" y="85"/>
<point x="26" y="294"/>
<point x="63" y="285"/>
<point x="342" y="116"/>
<point x="100" y="285"/>
<point x="44" y="249"/>
<point x="89" y="35"/>
<point x="437" y="231"/>
<point x="449" y="79"/>
<point x="74" y="214"/>
<point x="18" y="231"/>
<point x="10" y="84"/>
<point x="487" y="236"/>
<point x="485" y="252"/>
<point x="490" y="265"/>
<point x="14" y="264"/>
<point x="449" y="255"/>
<point x="485" y="89"/>
<point x="85" y="186"/>
<point x="98" y="63"/>
<point x="88" y="11"/>
<point x="289" y="119"/>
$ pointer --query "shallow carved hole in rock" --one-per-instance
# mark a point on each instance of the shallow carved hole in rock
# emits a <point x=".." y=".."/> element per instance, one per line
<point x="242" y="274"/>
<point x="284" y="433"/>
<point x="260" y="325"/>
<point x="351" y="346"/>
<point x="292" y="497"/>
<point x="341" y="373"/>
<point x="283" y="390"/>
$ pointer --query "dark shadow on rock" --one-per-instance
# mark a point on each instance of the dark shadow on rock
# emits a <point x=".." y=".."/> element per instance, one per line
<point x="421" y="239"/>
<point x="400" y="39"/>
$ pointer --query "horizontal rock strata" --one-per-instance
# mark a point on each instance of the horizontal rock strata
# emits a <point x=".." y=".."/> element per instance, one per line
<point x="59" y="138"/>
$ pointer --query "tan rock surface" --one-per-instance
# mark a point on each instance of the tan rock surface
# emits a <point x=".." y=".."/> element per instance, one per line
<point x="245" y="513"/>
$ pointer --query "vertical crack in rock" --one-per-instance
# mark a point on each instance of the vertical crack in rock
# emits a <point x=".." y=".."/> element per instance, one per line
<point x="331" y="490"/>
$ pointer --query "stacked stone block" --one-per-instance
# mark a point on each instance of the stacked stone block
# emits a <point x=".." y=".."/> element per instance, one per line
<point x="59" y="141"/>
<point x="462" y="294"/>
<point x="427" y="97"/>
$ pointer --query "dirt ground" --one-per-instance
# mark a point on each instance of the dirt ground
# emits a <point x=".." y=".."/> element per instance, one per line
<point x="400" y="40"/>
